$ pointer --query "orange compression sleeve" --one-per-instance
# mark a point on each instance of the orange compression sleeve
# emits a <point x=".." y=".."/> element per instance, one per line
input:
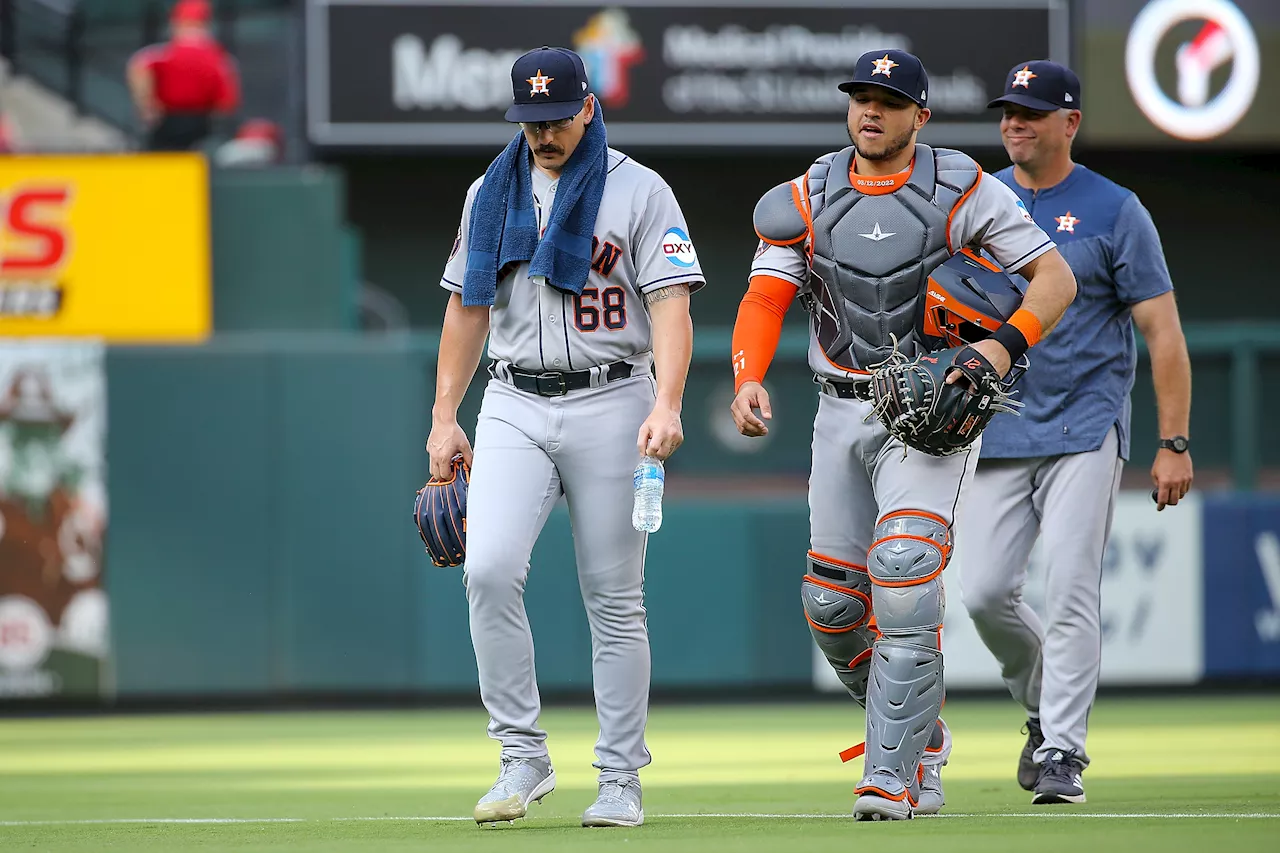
<point x="759" y="326"/>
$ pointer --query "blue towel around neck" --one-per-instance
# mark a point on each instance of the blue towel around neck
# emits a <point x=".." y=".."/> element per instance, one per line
<point x="504" y="225"/>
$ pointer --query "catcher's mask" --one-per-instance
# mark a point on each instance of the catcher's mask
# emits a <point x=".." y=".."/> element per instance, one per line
<point x="966" y="299"/>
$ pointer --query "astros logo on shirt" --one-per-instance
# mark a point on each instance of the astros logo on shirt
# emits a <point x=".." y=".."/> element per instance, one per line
<point x="1067" y="222"/>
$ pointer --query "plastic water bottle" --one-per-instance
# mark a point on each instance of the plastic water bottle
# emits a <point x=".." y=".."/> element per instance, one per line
<point x="649" y="479"/>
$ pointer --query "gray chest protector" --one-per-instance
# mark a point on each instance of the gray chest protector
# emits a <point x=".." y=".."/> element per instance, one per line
<point x="871" y="254"/>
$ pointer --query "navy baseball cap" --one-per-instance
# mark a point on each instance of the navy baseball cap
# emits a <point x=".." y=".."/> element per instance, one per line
<point x="895" y="70"/>
<point x="547" y="84"/>
<point x="1041" y="85"/>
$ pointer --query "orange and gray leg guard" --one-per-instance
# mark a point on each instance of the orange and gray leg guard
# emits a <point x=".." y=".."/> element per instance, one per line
<point x="904" y="695"/>
<point x="837" y="605"/>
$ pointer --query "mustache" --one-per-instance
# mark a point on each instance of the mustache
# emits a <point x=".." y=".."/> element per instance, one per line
<point x="550" y="149"/>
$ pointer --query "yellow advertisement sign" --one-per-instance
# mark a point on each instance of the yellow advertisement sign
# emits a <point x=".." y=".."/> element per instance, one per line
<point x="113" y="247"/>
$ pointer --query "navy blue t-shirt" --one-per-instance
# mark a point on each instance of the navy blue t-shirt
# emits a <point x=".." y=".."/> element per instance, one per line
<point x="1082" y="372"/>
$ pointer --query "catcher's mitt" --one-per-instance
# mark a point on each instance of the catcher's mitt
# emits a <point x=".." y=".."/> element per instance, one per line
<point x="440" y="512"/>
<point x="913" y="401"/>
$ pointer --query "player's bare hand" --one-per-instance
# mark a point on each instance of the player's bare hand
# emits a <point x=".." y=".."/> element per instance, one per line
<point x="446" y="441"/>
<point x="661" y="432"/>
<point x="751" y="396"/>
<point x="992" y="351"/>
<point x="1171" y="473"/>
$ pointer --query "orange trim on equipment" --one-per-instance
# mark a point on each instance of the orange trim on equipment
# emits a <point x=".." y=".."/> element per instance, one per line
<point x="978" y="259"/>
<point x="841" y="563"/>
<point x="853" y="752"/>
<point x="860" y="658"/>
<point x="963" y="198"/>
<point x="918" y="513"/>
<point x="858" y="594"/>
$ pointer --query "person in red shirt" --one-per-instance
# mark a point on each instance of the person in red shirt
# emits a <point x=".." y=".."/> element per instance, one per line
<point x="179" y="85"/>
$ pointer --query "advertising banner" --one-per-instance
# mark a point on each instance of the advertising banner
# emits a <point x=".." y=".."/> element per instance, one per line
<point x="53" y="518"/>
<point x="1152" y="607"/>
<point x="1179" y="71"/>
<point x="114" y="248"/>
<point x="718" y="74"/>
<point x="1242" y="586"/>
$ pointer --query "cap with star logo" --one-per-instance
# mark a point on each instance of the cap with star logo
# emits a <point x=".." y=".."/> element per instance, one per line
<point x="1041" y="85"/>
<point x="895" y="70"/>
<point x="547" y="83"/>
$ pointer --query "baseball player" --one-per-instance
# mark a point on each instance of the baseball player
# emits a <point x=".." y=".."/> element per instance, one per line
<point x="1054" y="472"/>
<point x="576" y="335"/>
<point x="856" y="236"/>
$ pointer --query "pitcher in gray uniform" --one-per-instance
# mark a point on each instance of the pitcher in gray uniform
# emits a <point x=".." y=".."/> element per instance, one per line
<point x="577" y="263"/>
<point x="856" y="236"/>
<point x="1054" y="472"/>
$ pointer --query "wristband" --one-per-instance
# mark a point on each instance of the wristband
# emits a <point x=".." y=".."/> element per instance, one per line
<point x="1029" y="325"/>
<point x="1011" y="338"/>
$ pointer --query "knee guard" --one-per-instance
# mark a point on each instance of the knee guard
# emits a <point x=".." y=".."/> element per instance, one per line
<point x="837" y="606"/>
<point x="905" y="691"/>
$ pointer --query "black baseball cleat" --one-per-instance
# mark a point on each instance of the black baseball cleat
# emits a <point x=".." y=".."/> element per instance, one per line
<point x="1060" y="779"/>
<point x="1028" y="770"/>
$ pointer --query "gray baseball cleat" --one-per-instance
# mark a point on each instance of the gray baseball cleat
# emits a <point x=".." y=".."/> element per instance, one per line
<point x="618" y="804"/>
<point x="1028" y="769"/>
<point x="521" y="781"/>
<point x="882" y="796"/>
<point x="1060" y="779"/>
<point x="935" y="757"/>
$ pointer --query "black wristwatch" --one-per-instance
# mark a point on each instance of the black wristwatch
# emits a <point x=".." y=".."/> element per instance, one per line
<point x="1178" y="444"/>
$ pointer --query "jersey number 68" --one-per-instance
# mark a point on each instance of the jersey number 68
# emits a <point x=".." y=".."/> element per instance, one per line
<point x="595" y="306"/>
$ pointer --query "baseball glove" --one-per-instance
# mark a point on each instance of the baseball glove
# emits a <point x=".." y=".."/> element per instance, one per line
<point x="440" y="512"/>
<point x="913" y="401"/>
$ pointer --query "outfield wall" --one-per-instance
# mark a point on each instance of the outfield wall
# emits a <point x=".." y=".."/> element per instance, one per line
<point x="250" y="533"/>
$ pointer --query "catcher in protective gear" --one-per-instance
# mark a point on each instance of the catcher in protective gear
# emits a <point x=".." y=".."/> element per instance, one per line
<point x="440" y="512"/>
<point x="966" y="299"/>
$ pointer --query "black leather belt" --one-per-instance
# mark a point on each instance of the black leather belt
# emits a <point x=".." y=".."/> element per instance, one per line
<point x="846" y="389"/>
<point x="559" y="384"/>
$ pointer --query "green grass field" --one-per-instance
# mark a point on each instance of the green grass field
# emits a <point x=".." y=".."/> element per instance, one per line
<point x="1168" y="775"/>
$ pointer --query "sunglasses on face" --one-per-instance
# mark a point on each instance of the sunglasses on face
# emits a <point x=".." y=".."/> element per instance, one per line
<point x="553" y="126"/>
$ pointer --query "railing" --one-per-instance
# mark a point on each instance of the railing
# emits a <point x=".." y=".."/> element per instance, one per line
<point x="1242" y="344"/>
<point x="45" y="40"/>
<point x="58" y="45"/>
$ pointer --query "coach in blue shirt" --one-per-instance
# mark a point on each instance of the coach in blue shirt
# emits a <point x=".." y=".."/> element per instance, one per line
<point x="1054" y="471"/>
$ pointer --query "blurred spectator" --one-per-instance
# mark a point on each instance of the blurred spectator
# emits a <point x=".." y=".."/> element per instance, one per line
<point x="178" y="86"/>
<point x="258" y="142"/>
<point x="8" y="142"/>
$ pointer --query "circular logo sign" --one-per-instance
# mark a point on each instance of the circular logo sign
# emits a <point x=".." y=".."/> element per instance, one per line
<point x="1225" y="37"/>
<point x="678" y="248"/>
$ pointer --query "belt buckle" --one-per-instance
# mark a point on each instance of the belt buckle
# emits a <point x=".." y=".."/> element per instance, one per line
<point x="559" y="389"/>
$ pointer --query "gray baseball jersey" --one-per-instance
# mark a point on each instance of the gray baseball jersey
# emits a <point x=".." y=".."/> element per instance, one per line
<point x="531" y="450"/>
<point x="641" y="243"/>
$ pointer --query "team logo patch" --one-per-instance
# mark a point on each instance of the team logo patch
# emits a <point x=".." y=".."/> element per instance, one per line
<point x="1067" y="223"/>
<point x="1026" y="214"/>
<point x="457" y="241"/>
<point x="678" y="248"/>
<point x="539" y="84"/>
<point x="884" y="66"/>
<point x="1023" y="77"/>
<point x="761" y="248"/>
